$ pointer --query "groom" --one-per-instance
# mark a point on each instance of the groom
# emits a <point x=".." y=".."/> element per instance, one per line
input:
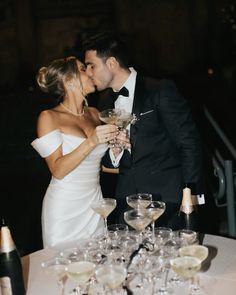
<point x="165" y="153"/>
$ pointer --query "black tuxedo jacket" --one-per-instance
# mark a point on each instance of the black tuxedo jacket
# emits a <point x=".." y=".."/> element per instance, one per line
<point x="166" y="151"/>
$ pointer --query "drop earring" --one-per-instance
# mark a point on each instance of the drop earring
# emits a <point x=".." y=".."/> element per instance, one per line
<point x="85" y="102"/>
<point x="71" y="86"/>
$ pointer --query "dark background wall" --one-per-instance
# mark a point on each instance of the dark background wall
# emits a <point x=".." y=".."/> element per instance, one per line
<point x="181" y="39"/>
<point x="172" y="36"/>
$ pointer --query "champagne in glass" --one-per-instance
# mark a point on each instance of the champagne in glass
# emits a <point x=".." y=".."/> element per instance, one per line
<point x="140" y="200"/>
<point x="198" y="251"/>
<point x="155" y="210"/>
<point x="186" y="266"/>
<point x="138" y="219"/>
<point x="81" y="272"/>
<point x="118" y="117"/>
<point x="57" y="267"/>
<point x="104" y="207"/>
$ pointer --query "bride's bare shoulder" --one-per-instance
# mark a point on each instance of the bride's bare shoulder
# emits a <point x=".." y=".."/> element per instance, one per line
<point x="47" y="121"/>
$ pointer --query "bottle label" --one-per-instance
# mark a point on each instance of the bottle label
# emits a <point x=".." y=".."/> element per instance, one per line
<point x="5" y="286"/>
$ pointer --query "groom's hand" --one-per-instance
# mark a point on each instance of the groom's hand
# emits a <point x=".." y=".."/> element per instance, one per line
<point x="123" y="139"/>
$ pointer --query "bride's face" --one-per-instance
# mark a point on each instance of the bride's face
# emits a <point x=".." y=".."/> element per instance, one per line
<point x="84" y="80"/>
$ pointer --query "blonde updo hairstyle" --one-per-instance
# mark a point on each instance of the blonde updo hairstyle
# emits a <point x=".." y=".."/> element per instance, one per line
<point x="51" y="79"/>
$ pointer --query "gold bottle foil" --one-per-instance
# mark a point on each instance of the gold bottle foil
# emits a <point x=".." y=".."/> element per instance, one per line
<point x="6" y="242"/>
<point x="187" y="203"/>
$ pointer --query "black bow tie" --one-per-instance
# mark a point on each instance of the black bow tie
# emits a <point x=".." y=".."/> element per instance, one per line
<point x="123" y="91"/>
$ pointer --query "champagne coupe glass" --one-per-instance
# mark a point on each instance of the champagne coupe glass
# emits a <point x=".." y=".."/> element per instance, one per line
<point x="188" y="237"/>
<point x="139" y="200"/>
<point x="138" y="219"/>
<point x="57" y="267"/>
<point x="186" y="267"/>
<point x="155" y="210"/>
<point x="118" y="117"/>
<point x="167" y="251"/>
<point x="104" y="207"/>
<point x="163" y="234"/>
<point x="111" y="276"/>
<point x="118" y="234"/>
<point x="81" y="272"/>
<point x="116" y="231"/>
<point x="198" y="251"/>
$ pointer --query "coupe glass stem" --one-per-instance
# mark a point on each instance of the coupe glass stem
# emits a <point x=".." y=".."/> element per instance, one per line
<point x="140" y="237"/>
<point x="61" y="285"/>
<point x="163" y="289"/>
<point x="153" y="231"/>
<point x="195" y="284"/>
<point x="105" y="228"/>
<point x="106" y="234"/>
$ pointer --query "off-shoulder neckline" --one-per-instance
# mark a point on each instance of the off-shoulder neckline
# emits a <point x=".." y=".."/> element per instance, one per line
<point x="66" y="134"/>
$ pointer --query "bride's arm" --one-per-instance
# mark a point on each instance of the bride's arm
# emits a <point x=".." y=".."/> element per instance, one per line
<point x="60" y="165"/>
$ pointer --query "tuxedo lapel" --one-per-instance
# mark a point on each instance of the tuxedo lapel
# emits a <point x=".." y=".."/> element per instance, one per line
<point x="139" y="96"/>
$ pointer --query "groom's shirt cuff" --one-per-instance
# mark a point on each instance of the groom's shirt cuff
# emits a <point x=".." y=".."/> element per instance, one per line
<point x="115" y="160"/>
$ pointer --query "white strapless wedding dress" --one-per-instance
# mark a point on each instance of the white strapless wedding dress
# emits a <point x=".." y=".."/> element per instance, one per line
<point x="66" y="213"/>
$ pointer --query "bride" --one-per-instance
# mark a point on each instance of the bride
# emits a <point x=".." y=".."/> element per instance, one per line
<point x="72" y="141"/>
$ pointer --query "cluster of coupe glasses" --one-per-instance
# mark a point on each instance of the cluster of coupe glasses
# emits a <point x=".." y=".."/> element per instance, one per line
<point x="114" y="263"/>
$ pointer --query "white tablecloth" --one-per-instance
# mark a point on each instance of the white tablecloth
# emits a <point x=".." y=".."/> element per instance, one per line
<point x="218" y="276"/>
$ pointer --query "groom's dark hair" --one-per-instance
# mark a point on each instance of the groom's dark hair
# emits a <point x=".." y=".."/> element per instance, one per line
<point x="108" y="44"/>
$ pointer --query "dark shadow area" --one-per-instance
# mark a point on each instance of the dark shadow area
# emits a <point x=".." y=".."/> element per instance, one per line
<point x="212" y="253"/>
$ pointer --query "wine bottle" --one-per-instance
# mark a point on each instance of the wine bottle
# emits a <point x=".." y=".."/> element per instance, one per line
<point x="188" y="211"/>
<point x="11" y="275"/>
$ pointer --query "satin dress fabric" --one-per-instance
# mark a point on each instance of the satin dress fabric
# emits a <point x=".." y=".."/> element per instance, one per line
<point x="66" y="212"/>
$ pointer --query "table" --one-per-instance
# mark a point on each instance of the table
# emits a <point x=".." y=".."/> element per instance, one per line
<point x="218" y="274"/>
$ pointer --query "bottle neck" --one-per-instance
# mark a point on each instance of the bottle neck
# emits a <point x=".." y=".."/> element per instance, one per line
<point x="6" y="241"/>
<point x="187" y="203"/>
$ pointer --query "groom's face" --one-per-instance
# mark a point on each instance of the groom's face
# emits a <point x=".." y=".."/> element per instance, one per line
<point x="98" y="70"/>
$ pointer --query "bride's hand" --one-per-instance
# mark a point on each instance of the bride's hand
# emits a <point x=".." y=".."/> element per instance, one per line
<point x="104" y="133"/>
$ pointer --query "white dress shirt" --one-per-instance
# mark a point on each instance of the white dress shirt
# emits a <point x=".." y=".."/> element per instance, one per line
<point x="125" y="103"/>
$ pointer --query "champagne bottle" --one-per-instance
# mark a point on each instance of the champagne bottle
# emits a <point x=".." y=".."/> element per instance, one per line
<point x="11" y="275"/>
<point x="187" y="210"/>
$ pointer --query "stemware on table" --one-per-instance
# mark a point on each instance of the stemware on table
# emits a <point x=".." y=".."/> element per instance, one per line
<point x="168" y="250"/>
<point x="81" y="272"/>
<point x="155" y="210"/>
<point x="186" y="267"/>
<point x="198" y="251"/>
<point x="104" y="207"/>
<point x="57" y="267"/>
<point x="111" y="276"/>
<point x="188" y="236"/>
<point x="138" y="219"/>
<point x="139" y="200"/>
<point x="149" y="268"/>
